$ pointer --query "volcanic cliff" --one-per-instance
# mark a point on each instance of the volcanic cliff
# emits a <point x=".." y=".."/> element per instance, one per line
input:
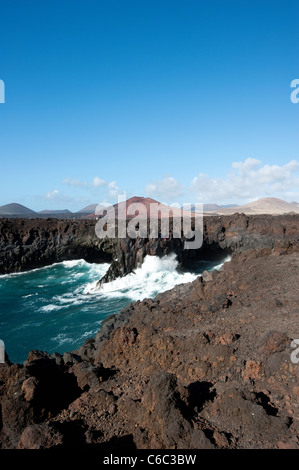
<point x="208" y="364"/>
<point x="31" y="243"/>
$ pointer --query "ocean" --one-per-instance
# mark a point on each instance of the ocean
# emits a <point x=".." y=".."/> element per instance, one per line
<point x="56" y="308"/>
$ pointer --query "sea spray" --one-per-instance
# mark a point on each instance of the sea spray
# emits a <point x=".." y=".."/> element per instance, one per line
<point x="55" y="308"/>
<point x="153" y="276"/>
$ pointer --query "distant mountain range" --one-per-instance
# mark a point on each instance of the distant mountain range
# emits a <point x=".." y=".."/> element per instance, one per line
<point x="89" y="209"/>
<point x="214" y="207"/>
<point x="63" y="211"/>
<point x="268" y="205"/>
<point x="18" y="210"/>
<point x="88" y="212"/>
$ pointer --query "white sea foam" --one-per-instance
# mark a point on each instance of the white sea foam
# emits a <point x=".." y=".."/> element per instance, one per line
<point x="219" y="266"/>
<point x="21" y="273"/>
<point x="153" y="276"/>
<point x="69" y="300"/>
<point x="98" y="269"/>
<point x="49" y="308"/>
<point x="73" y="263"/>
<point x="62" y="338"/>
<point x="73" y="315"/>
<point x="102" y="267"/>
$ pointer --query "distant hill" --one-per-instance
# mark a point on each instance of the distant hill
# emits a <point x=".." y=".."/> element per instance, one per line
<point x="88" y="209"/>
<point x="15" y="209"/>
<point x="94" y="209"/>
<point x="210" y="207"/>
<point x="134" y="200"/>
<point x="214" y="207"/>
<point x="123" y="208"/>
<point x="61" y="211"/>
<point x="267" y="205"/>
<point x="229" y="205"/>
<point x="164" y="210"/>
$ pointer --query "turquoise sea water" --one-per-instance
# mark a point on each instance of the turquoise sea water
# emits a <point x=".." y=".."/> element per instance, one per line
<point x="56" y="308"/>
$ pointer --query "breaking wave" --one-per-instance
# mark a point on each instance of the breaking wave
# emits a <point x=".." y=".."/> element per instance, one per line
<point x="153" y="276"/>
<point x="55" y="308"/>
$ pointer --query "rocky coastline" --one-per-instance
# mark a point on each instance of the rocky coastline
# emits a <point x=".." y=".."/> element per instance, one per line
<point x="32" y="243"/>
<point x="205" y="365"/>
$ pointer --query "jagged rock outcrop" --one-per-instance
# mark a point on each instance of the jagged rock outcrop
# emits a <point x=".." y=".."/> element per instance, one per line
<point x="205" y="365"/>
<point x="32" y="243"/>
<point x="221" y="235"/>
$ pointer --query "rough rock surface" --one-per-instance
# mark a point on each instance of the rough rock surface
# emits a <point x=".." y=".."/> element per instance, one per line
<point x="204" y="365"/>
<point x="33" y="243"/>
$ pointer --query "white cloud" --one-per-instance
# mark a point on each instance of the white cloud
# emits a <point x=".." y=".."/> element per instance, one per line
<point x="114" y="190"/>
<point x="56" y="199"/>
<point x="75" y="182"/>
<point x="98" y="182"/>
<point x="248" y="164"/>
<point x="166" y="189"/>
<point x="111" y="187"/>
<point x="52" y="194"/>
<point x="249" y="180"/>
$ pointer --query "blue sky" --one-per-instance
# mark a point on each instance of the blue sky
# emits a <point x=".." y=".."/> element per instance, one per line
<point x="183" y="101"/>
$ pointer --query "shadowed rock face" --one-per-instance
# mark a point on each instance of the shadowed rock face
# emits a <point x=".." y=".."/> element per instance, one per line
<point x="204" y="365"/>
<point x="32" y="243"/>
